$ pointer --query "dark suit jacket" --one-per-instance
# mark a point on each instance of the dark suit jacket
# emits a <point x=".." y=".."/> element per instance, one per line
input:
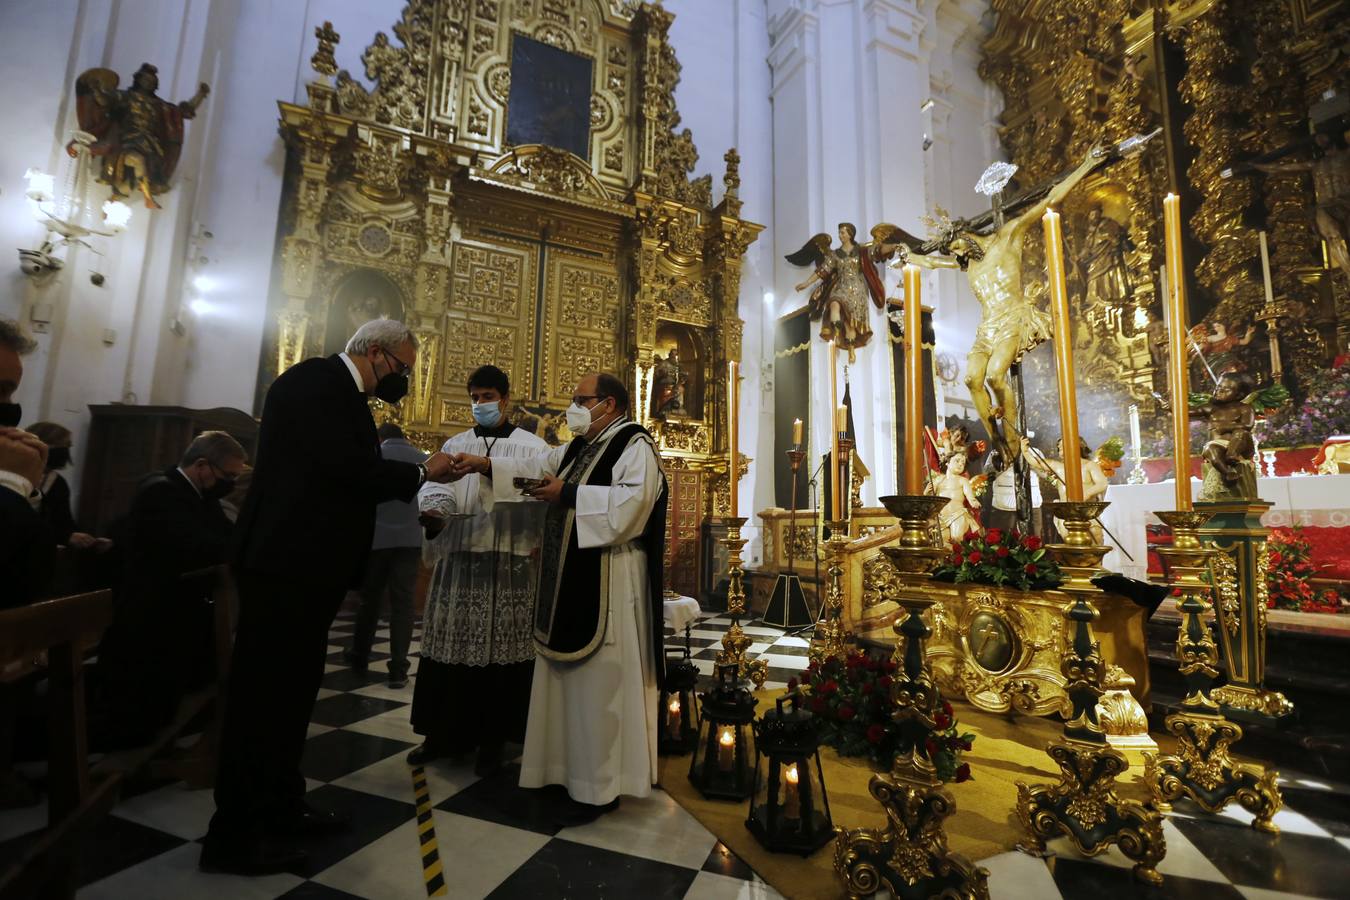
<point x="172" y="530"/>
<point x="27" y="552"/>
<point x="310" y="510"/>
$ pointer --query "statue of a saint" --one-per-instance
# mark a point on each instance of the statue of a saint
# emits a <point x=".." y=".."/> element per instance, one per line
<point x="1228" y="472"/>
<point x="957" y="518"/>
<point x="1331" y="182"/>
<point x="1051" y="471"/>
<point x="1010" y="324"/>
<point x="1106" y="275"/>
<point x="847" y="277"/>
<point x="1223" y="351"/>
<point x="138" y="135"/>
<point x="668" y="384"/>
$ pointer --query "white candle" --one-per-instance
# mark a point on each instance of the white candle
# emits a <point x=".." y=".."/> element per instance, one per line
<point x="1265" y="270"/>
<point x="1134" y="431"/>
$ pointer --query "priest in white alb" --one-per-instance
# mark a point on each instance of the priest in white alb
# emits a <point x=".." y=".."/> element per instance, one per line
<point x="592" y="724"/>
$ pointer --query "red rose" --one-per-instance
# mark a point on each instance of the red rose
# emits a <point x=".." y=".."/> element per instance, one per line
<point x="965" y="745"/>
<point x="930" y="747"/>
<point x="974" y="557"/>
<point x="1276" y="558"/>
<point x="942" y="721"/>
<point x="1029" y="568"/>
<point x="1001" y="552"/>
<point x="868" y="688"/>
<point x="946" y="707"/>
<point x="963" y="772"/>
<point x="818" y="704"/>
<point x="994" y="535"/>
<point x="891" y="665"/>
<point x="829" y="687"/>
<point x="1032" y="542"/>
<point x="876" y="733"/>
<point x="846" y="713"/>
<point x="884" y="681"/>
<point x="971" y="536"/>
<point x="958" y="559"/>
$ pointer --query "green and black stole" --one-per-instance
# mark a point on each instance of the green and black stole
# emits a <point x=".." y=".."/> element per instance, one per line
<point x="572" y="610"/>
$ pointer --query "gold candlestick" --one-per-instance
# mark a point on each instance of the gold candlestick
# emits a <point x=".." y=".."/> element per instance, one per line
<point x="1083" y="804"/>
<point x="1178" y="380"/>
<point x="1063" y="337"/>
<point x="829" y="639"/>
<point x="1201" y="769"/>
<point x="735" y="642"/>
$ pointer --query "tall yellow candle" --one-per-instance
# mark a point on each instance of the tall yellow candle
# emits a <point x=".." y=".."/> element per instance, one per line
<point x="796" y="433"/>
<point x="834" y="435"/>
<point x="1063" y="329"/>
<point x="913" y="380"/>
<point x="1178" y="380"/>
<point x="733" y="405"/>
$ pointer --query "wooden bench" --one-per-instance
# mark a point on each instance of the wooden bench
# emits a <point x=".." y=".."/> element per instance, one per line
<point x="62" y="629"/>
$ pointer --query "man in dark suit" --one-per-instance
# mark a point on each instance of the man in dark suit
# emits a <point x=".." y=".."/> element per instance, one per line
<point x="159" y="644"/>
<point x="27" y="547"/>
<point x="303" y="536"/>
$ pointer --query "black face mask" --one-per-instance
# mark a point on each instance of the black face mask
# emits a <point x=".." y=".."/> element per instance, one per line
<point x="220" y="490"/>
<point x="392" y="387"/>
<point x="10" y="414"/>
<point x="58" y="457"/>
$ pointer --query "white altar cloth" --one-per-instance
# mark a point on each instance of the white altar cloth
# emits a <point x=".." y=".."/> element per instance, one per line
<point x="1322" y="500"/>
<point x="680" y="611"/>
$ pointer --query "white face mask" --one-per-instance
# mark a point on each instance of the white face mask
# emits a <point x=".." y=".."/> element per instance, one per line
<point x="487" y="414"/>
<point x="578" y="419"/>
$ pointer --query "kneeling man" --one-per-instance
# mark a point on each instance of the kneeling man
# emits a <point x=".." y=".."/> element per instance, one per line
<point x="597" y="620"/>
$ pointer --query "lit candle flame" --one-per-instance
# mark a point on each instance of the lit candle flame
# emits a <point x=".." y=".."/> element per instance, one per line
<point x="674" y="704"/>
<point x="727" y="738"/>
<point x="791" y="774"/>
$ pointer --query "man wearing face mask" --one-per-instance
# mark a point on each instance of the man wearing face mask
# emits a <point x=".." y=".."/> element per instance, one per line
<point x="303" y="537"/>
<point x="473" y="680"/>
<point x="597" y="620"/>
<point x="161" y="631"/>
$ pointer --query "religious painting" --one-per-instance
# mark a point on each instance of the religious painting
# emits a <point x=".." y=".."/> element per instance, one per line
<point x="362" y="295"/>
<point x="677" y="373"/>
<point x="550" y="99"/>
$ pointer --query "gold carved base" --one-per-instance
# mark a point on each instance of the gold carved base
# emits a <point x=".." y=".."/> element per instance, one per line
<point x="911" y="850"/>
<point x="736" y="642"/>
<point x="1260" y="702"/>
<point x="1084" y="806"/>
<point x="1203" y="771"/>
<point x="830" y="638"/>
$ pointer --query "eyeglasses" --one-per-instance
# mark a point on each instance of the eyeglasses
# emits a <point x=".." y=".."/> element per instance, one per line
<point x="403" y="368"/>
<point x="580" y="399"/>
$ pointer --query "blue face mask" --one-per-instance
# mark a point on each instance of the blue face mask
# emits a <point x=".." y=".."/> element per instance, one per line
<point x="487" y="414"/>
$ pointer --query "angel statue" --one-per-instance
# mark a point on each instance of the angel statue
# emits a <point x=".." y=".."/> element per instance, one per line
<point x="1051" y="471"/>
<point x="847" y="276"/>
<point x="957" y="518"/>
<point x="138" y="134"/>
<point x="1228" y="472"/>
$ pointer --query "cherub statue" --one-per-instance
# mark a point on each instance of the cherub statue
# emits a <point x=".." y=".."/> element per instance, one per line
<point x="847" y="277"/>
<point x="1095" y="481"/>
<point x="138" y="134"/>
<point x="1010" y="324"/>
<point x="1228" y="472"/>
<point x="957" y="518"/>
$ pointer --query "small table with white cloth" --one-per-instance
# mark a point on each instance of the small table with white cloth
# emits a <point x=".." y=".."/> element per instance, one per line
<point x="680" y="611"/>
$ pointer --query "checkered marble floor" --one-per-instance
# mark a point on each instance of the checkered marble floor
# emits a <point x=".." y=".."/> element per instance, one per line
<point x="494" y="842"/>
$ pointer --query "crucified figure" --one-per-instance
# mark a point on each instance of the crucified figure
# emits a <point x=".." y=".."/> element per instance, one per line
<point x="1010" y="323"/>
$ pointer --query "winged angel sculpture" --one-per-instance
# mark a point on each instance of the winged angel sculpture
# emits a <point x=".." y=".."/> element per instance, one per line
<point x="845" y="277"/>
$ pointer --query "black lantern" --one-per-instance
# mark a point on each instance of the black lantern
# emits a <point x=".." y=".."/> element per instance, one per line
<point x="678" y="712"/>
<point x="784" y="813"/>
<point x="720" y="768"/>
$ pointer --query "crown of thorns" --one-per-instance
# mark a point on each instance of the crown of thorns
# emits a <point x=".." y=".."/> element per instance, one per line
<point x="942" y="229"/>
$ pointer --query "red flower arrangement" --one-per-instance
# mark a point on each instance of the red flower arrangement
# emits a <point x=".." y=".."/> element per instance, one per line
<point x="1000" y="558"/>
<point x="851" y="700"/>
<point x="1290" y="573"/>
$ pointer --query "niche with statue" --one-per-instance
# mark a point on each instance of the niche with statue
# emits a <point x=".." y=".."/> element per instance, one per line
<point x="678" y="378"/>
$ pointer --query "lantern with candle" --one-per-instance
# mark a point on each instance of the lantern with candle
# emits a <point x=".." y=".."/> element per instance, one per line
<point x="679" y="706"/>
<point x="720" y="768"/>
<point x="790" y="811"/>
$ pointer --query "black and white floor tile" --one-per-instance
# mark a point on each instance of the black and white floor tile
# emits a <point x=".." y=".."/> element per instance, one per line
<point x="494" y="843"/>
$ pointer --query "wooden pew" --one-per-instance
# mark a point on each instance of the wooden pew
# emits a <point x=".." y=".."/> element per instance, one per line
<point x="195" y="765"/>
<point x="62" y="629"/>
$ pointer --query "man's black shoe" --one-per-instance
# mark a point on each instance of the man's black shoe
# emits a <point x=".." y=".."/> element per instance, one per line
<point x="428" y="752"/>
<point x="355" y="662"/>
<point x="398" y="682"/>
<point x="251" y="858"/>
<point x="308" y="822"/>
<point x="574" y="813"/>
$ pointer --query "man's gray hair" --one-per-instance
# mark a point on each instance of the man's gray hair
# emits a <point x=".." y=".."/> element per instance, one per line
<point x="386" y="334"/>
<point x="216" y="447"/>
<point x="14" y="339"/>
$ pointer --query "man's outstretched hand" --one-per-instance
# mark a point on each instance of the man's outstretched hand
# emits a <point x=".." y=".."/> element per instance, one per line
<point x="440" y="467"/>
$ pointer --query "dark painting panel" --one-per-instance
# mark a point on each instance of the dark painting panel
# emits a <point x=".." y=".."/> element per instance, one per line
<point x="550" y="100"/>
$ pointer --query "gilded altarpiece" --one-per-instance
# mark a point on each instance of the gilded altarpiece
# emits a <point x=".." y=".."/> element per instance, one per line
<point x="545" y="263"/>
<point x="1226" y="81"/>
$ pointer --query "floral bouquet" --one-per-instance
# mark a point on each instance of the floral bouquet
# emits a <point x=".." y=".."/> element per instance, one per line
<point x="1000" y="558"/>
<point x="1290" y="573"/>
<point x="851" y="700"/>
<point x="1110" y="455"/>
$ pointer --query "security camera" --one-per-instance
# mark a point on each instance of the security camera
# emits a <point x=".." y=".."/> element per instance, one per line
<point x="38" y="262"/>
<point x="97" y="279"/>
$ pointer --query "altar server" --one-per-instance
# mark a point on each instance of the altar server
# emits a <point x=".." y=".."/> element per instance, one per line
<point x="597" y="622"/>
<point x="473" y="682"/>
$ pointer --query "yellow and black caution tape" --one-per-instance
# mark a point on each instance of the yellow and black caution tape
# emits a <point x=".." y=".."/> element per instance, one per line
<point x="426" y="836"/>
